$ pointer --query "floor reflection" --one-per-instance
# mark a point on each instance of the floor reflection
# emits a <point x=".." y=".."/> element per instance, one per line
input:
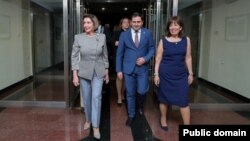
<point x="45" y="86"/>
<point x="49" y="86"/>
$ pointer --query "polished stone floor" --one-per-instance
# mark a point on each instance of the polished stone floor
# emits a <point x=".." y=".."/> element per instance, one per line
<point x="58" y="124"/>
<point x="66" y="124"/>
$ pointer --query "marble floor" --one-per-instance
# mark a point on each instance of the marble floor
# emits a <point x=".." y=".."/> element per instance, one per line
<point x="66" y="124"/>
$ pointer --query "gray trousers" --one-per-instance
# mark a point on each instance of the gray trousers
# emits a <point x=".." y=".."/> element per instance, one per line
<point x="92" y="96"/>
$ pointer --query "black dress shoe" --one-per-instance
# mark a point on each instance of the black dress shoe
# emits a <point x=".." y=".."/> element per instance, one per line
<point x="129" y="122"/>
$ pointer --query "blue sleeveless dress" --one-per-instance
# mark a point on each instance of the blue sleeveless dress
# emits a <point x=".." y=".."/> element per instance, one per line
<point x="173" y="88"/>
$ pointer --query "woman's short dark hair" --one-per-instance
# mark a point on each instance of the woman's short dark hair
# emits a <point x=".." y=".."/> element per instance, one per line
<point x="177" y="20"/>
<point x="93" y="18"/>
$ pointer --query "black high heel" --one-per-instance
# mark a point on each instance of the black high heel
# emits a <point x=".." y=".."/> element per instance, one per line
<point x="119" y="104"/>
<point x="165" y="128"/>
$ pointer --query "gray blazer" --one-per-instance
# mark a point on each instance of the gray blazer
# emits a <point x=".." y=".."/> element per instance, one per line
<point x="89" y="55"/>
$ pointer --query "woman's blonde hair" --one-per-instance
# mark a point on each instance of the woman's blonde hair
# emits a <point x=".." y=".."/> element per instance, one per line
<point x="93" y="18"/>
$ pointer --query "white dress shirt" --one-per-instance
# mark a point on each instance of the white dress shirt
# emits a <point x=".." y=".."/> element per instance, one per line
<point x="133" y="34"/>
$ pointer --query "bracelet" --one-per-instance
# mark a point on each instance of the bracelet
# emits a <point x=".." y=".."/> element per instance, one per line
<point x="156" y="74"/>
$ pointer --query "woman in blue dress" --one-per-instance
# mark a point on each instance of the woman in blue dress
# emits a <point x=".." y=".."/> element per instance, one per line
<point x="173" y="71"/>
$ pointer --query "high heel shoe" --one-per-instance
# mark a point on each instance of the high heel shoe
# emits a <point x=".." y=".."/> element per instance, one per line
<point x="165" y="128"/>
<point x="86" y="126"/>
<point x="97" y="134"/>
<point x="119" y="104"/>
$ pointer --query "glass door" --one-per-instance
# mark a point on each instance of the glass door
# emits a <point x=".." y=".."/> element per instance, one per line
<point x="77" y="9"/>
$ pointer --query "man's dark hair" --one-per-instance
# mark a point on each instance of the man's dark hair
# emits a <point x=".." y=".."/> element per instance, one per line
<point x="136" y="14"/>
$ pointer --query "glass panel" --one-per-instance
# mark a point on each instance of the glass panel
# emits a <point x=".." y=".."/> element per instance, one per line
<point x="219" y="31"/>
<point x="31" y="40"/>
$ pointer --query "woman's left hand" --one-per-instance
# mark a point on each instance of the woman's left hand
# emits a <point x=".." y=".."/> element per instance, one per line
<point x="190" y="79"/>
<point x="106" y="76"/>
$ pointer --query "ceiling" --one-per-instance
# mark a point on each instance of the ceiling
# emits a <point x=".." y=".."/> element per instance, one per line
<point x="95" y="6"/>
<point x="111" y="6"/>
<point x="116" y="1"/>
<point x="51" y="5"/>
<point x="111" y="11"/>
<point x="116" y="7"/>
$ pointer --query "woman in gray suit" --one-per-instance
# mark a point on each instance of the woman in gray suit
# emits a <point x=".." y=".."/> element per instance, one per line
<point x="90" y="67"/>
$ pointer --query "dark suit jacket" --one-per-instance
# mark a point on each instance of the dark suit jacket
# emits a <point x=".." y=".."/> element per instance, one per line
<point x="105" y="30"/>
<point x="116" y="36"/>
<point x="127" y="52"/>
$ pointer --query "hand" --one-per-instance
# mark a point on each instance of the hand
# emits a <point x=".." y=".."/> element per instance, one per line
<point x="156" y="80"/>
<point x="190" y="79"/>
<point x="106" y="76"/>
<point x="76" y="81"/>
<point x="140" y="61"/>
<point x="120" y="75"/>
<point x="116" y="43"/>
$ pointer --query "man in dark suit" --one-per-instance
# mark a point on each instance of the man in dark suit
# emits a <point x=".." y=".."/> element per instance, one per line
<point x="135" y="50"/>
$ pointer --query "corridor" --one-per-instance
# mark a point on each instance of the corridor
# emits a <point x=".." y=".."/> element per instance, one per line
<point x="60" y="124"/>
